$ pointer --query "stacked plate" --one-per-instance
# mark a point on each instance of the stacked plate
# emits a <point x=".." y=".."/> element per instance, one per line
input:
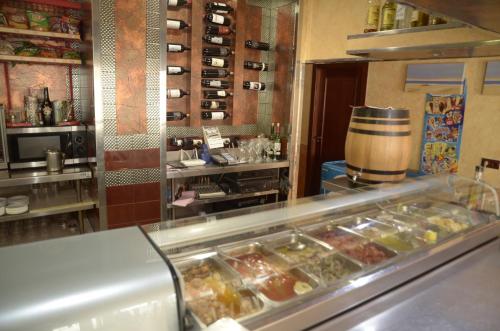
<point x="15" y="205"/>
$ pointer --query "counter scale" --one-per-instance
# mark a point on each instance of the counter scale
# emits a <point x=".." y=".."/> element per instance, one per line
<point x="297" y="265"/>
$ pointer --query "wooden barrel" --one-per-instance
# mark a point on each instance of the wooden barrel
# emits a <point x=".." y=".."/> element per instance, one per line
<point x="378" y="143"/>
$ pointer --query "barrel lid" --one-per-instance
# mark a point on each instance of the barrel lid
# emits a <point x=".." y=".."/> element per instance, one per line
<point x="370" y="111"/>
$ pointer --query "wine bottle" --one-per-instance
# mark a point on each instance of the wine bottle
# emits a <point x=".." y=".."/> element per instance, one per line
<point x="217" y="19"/>
<point x="258" y="86"/>
<point x="216" y="40"/>
<point x="256" y="65"/>
<point x="177" y="48"/>
<point x="47" y="109"/>
<point x="176" y="70"/>
<point x="257" y="45"/>
<point x="215" y="62"/>
<point x="388" y="16"/>
<point x="175" y="93"/>
<point x="215" y="83"/>
<point x="176" y="24"/>
<point x="214" y="105"/>
<point x="277" y="143"/>
<point x="178" y="3"/>
<point x="176" y="116"/>
<point x="419" y="18"/>
<point x="214" y="115"/>
<point x="372" y="16"/>
<point x="218" y="30"/>
<point x="215" y="73"/>
<point x="270" y="151"/>
<point x="219" y="94"/>
<point x="218" y="8"/>
<point x="217" y="51"/>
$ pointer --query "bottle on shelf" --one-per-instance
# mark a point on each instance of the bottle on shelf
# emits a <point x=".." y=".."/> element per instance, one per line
<point x="219" y="30"/>
<point x="217" y="51"/>
<point x="217" y="19"/>
<point x="277" y="143"/>
<point x="213" y="105"/>
<point x="270" y="151"/>
<point x="177" y="48"/>
<point x="372" y="16"/>
<point x="215" y="83"/>
<point x="219" y="94"/>
<point x="218" y="8"/>
<point x="214" y="115"/>
<point x="403" y="16"/>
<point x="176" y="70"/>
<point x="435" y="20"/>
<point x="261" y="66"/>
<point x="47" y="109"/>
<point x="419" y="18"/>
<point x="178" y="3"/>
<point x="215" y="73"/>
<point x="388" y="16"/>
<point x="258" y="86"/>
<point x="257" y="45"/>
<point x="217" y="40"/>
<point x="215" y="62"/>
<point x="176" y="24"/>
<point x="176" y="116"/>
<point x="175" y="93"/>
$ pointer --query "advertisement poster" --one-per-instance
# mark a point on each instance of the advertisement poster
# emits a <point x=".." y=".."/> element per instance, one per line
<point x="443" y="122"/>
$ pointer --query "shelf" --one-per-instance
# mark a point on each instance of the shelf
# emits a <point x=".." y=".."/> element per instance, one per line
<point x="453" y="25"/>
<point x="212" y="169"/>
<point x="27" y="32"/>
<point x="29" y="177"/>
<point x="65" y="201"/>
<point x="46" y="129"/>
<point x="58" y="3"/>
<point x="34" y="59"/>
<point x="228" y="197"/>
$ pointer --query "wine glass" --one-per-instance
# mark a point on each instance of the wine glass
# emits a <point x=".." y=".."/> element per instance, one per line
<point x="257" y="148"/>
<point x="242" y="147"/>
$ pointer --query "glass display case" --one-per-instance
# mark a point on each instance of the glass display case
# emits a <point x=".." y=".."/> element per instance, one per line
<point x="295" y="264"/>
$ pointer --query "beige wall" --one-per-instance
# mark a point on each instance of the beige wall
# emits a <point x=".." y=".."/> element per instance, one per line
<point x="326" y="24"/>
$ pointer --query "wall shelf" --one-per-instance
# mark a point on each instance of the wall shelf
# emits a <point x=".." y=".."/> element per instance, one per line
<point x="58" y="3"/>
<point x="26" y="32"/>
<point x="447" y="26"/>
<point x="34" y="59"/>
<point x="229" y="197"/>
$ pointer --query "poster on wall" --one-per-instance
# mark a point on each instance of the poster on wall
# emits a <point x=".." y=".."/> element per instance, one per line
<point x="443" y="122"/>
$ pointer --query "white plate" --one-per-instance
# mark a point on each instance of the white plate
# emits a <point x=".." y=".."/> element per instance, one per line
<point x="18" y="198"/>
<point x="16" y="208"/>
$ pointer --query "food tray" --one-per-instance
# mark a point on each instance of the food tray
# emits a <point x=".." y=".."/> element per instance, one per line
<point x="368" y="227"/>
<point x="327" y="272"/>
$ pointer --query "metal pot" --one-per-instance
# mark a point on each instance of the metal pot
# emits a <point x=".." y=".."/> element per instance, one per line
<point x="55" y="160"/>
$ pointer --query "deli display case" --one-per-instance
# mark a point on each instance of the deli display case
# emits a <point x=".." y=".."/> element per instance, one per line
<point x="289" y="266"/>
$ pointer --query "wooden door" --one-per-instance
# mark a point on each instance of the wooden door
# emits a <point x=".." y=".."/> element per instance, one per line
<point x="336" y="88"/>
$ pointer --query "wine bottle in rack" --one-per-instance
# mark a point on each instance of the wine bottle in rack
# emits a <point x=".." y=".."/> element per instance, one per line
<point x="176" y="70"/>
<point x="176" y="116"/>
<point x="176" y="24"/>
<point x="178" y="3"/>
<point x="218" y="8"/>
<point x="213" y="105"/>
<point x="217" y="51"/>
<point x="175" y="93"/>
<point x="177" y="48"/>
<point x="257" y="45"/>
<point x="217" y="19"/>
<point x="216" y="40"/>
<point x="215" y="83"/>
<point x="219" y="94"/>
<point x="214" y="115"/>
<point x="219" y="30"/>
<point x="261" y="66"/>
<point x="215" y="62"/>
<point x="258" y="86"/>
<point x="215" y="73"/>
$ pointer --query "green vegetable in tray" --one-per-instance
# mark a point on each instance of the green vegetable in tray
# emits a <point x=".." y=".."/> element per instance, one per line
<point x="26" y="49"/>
<point x="70" y="54"/>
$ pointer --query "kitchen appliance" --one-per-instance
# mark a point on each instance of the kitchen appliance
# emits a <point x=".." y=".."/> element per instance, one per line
<point x="27" y="146"/>
<point x="55" y="160"/>
<point x="4" y="155"/>
<point x="252" y="181"/>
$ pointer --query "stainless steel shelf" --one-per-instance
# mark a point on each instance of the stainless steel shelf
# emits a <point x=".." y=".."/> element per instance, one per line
<point x="452" y="25"/>
<point x="28" y="177"/>
<point x="54" y="203"/>
<point x="215" y="169"/>
<point x="228" y="197"/>
<point x="46" y="129"/>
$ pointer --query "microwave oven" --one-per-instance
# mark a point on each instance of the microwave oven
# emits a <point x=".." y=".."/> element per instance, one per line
<point x="27" y="146"/>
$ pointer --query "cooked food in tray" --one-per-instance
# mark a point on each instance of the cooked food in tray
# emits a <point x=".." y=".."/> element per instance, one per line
<point x="447" y="224"/>
<point x="370" y="228"/>
<point x="253" y="265"/>
<point x="332" y="268"/>
<point x="401" y="241"/>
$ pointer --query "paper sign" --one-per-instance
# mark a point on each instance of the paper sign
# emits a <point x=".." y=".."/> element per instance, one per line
<point x="212" y="137"/>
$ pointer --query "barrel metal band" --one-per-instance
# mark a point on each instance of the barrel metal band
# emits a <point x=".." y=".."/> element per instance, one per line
<point x="381" y="122"/>
<point x="376" y="172"/>
<point x="381" y="133"/>
<point x="381" y="113"/>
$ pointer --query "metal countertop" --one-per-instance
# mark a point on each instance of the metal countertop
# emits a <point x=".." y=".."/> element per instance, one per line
<point x="9" y="178"/>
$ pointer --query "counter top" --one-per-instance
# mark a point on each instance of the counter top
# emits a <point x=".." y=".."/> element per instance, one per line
<point x="212" y="169"/>
<point x="9" y="178"/>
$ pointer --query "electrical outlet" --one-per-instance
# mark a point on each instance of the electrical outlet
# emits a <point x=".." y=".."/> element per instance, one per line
<point x="490" y="163"/>
<point x="197" y="142"/>
<point x="226" y="141"/>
